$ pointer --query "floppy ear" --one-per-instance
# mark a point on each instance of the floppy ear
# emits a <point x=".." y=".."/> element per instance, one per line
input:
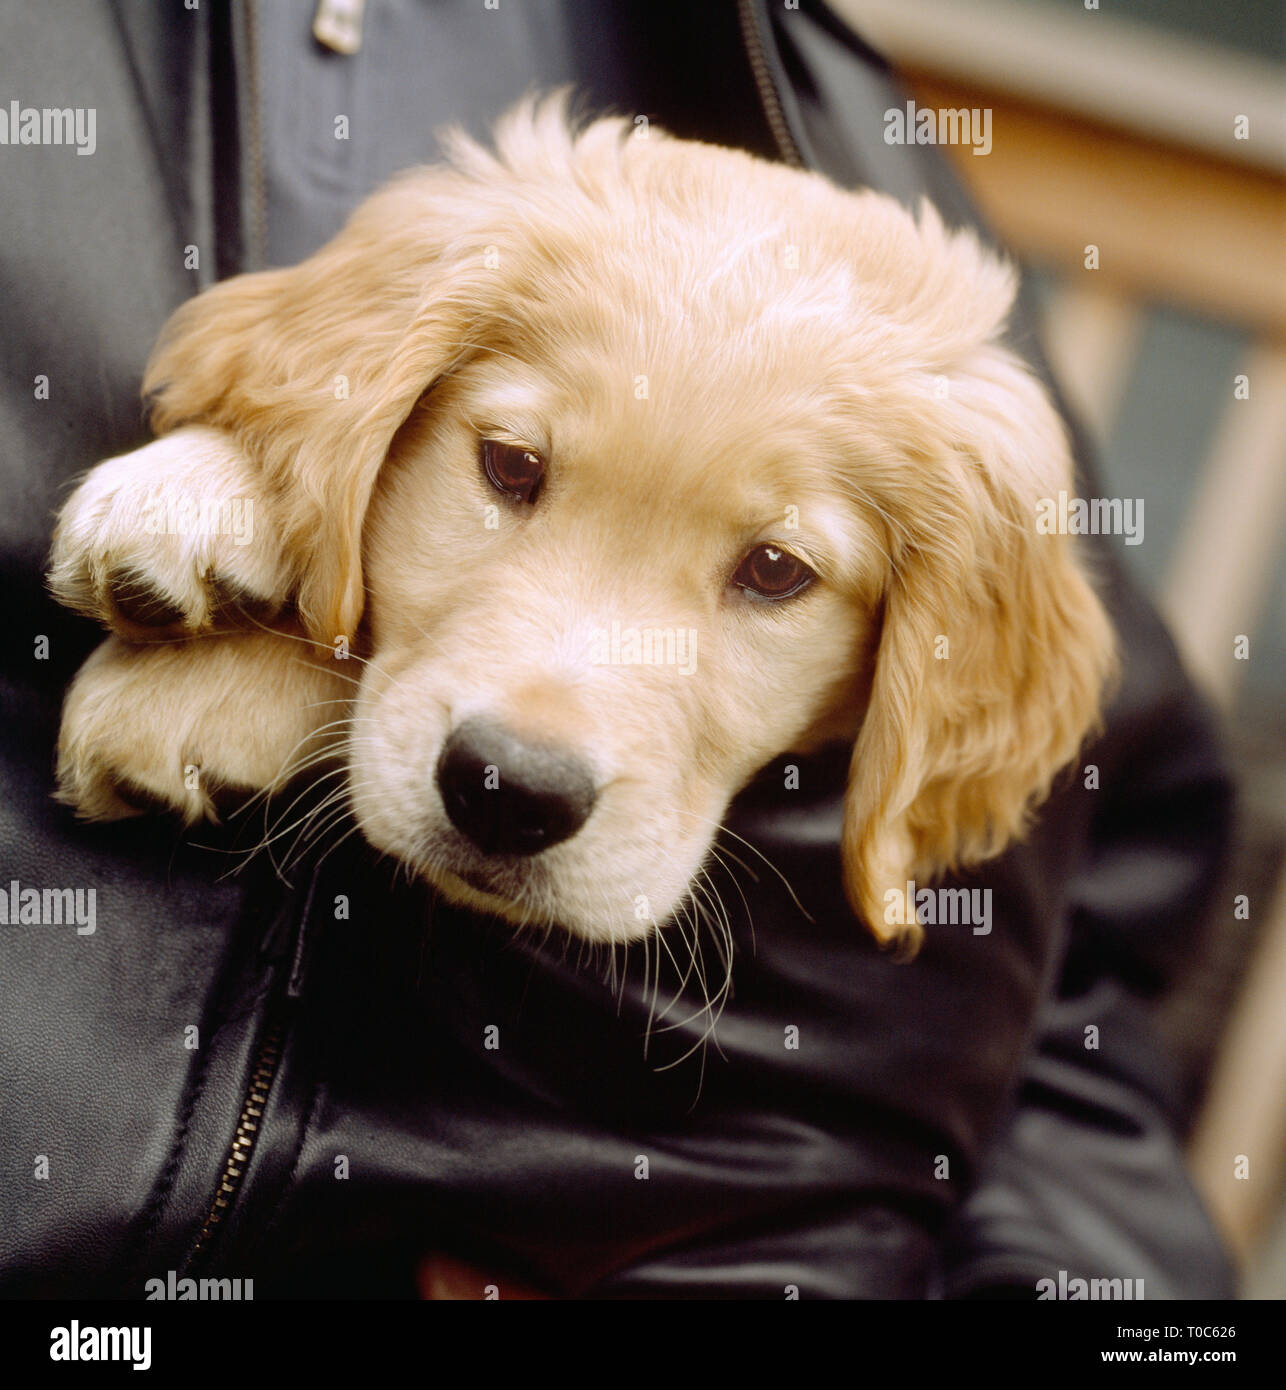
<point x="994" y="650"/>
<point x="313" y="369"/>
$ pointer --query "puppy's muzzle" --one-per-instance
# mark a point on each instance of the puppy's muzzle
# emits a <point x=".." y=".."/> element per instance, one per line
<point x="510" y="796"/>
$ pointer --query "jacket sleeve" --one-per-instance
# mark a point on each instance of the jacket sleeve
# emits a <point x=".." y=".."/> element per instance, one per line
<point x="1087" y="1174"/>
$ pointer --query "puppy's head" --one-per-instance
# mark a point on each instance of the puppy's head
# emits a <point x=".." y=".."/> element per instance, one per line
<point x="640" y="462"/>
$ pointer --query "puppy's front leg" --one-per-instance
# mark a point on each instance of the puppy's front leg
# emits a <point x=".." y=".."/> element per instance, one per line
<point x="176" y="724"/>
<point x="169" y="539"/>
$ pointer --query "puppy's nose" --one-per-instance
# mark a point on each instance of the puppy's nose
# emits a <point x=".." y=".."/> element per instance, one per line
<point x="509" y="796"/>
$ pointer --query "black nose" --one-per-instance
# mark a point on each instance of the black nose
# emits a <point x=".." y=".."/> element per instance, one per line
<point x="509" y="796"/>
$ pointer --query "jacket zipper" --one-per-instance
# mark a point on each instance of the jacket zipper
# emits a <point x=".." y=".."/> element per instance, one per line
<point x="769" y="97"/>
<point x="263" y="1073"/>
<point x="244" y="1137"/>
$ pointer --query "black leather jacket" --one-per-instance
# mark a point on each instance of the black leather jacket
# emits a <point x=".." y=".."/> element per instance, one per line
<point x="940" y="1128"/>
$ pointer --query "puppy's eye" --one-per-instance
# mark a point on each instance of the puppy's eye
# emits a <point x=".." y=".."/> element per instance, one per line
<point x="771" y="572"/>
<point x="513" y="470"/>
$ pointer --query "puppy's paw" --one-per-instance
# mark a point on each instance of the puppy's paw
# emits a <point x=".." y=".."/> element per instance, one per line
<point x="193" y="727"/>
<point x="168" y="540"/>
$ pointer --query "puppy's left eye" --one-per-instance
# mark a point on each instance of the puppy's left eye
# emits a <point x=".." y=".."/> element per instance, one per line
<point x="513" y="470"/>
<point x="771" y="572"/>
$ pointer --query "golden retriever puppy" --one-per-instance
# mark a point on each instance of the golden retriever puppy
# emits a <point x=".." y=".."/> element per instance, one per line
<point x="563" y="490"/>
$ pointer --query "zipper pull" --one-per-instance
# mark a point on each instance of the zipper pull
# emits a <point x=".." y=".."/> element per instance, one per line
<point x="337" y="25"/>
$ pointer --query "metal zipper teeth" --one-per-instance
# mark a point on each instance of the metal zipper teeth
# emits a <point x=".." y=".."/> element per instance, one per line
<point x="769" y="97"/>
<point x="244" y="1137"/>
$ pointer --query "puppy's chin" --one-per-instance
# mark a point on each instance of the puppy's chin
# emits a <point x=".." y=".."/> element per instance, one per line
<point x="460" y="891"/>
<point x="530" y="909"/>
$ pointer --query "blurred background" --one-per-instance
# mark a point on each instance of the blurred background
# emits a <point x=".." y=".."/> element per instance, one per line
<point x="1117" y="123"/>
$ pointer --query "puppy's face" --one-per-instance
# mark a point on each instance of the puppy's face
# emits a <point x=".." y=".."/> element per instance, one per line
<point x="598" y="606"/>
<point x="657" y="462"/>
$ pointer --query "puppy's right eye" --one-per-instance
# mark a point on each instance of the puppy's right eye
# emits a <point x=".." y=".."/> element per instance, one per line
<point x="769" y="572"/>
<point x="512" y="469"/>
